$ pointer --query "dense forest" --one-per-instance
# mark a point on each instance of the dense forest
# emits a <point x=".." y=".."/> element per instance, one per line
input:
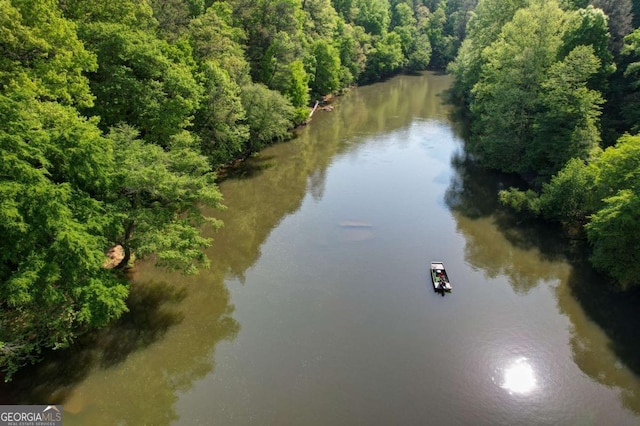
<point x="115" y="117"/>
<point x="552" y="91"/>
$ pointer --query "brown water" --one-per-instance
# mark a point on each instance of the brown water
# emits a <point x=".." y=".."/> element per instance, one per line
<point x="306" y="319"/>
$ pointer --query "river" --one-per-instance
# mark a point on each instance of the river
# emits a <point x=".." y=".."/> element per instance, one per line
<point x="318" y="308"/>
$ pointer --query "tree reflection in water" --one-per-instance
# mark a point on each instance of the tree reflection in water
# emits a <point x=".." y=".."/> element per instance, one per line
<point x="605" y="338"/>
<point x="604" y="351"/>
<point x="497" y="241"/>
<point x="116" y="354"/>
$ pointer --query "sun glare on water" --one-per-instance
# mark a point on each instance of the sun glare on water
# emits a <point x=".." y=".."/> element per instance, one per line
<point x="519" y="377"/>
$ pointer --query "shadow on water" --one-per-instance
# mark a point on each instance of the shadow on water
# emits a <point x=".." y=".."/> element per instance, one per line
<point x="150" y="316"/>
<point x="247" y="169"/>
<point x="107" y="376"/>
<point x="600" y="353"/>
<point x="492" y="232"/>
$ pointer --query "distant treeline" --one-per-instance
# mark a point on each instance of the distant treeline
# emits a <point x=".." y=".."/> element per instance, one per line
<point x="114" y="116"/>
<point x="553" y="93"/>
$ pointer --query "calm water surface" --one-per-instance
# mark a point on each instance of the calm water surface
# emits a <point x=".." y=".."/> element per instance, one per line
<point x="306" y="320"/>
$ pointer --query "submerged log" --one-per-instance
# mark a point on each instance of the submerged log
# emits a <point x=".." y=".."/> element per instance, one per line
<point x="355" y="224"/>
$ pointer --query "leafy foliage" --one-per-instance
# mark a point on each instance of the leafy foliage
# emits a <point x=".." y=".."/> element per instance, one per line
<point x="327" y="65"/>
<point x="142" y="81"/>
<point x="54" y="167"/>
<point x="613" y="232"/>
<point x="508" y="93"/>
<point x="482" y="30"/>
<point x="631" y="99"/>
<point x="154" y="200"/>
<point x="620" y="17"/>
<point x="602" y="196"/>
<point x="220" y="119"/>
<point x="39" y="45"/>
<point x="269" y="115"/>
<point x="173" y="89"/>
<point x="567" y="125"/>
<point x="213" y="38"/>
<point x="535" y="76"/>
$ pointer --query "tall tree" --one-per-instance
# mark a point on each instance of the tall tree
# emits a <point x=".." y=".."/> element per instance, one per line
<point x="385" y="57"/>
<point x="506" y="98"/>
<point x="631" y="99"/>
<point x="373" y="15"/>
<point x="327" y="69"/>
<point x="322" y="19"/>
<point x="220" y="120"/>
<point x="614" y="228"/>
<point x="274" y="33"/>
<point x="353" y="43"/>
<point x="40" y="45"/>
<point x="142" y="81"/>
<point x="601" y="194"/>
<point x="613" y="233"/>
<point x="483" y="29"/>
<point x="269" y="115"/>
<point x="154" y="200"/>
<point x="414" y="35"/>
<point x="54" y="168"/>
<point x="566" y="127"/>
<point x="173" y="16"/>
<point x="589" y="27"/>
<point x="442" y="44"/>
<point x="132" y="13"/>
<point x="54" y="171"/>
<point x="67" y="193"/>
<point x="213" y="37"/>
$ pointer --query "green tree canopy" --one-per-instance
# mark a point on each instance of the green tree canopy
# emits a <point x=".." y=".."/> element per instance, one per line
<point x="601" y="194"/>
<point x="274" y="33"/>
<point x="613" y="232"/>
<point x="483" y="28"/>
<point x="614" y="228"/>
<point x="507" y="96"/>
<point x="269" y="115"/>
<point x="566" y="127"/>
<point x="213" y="38"/>
<point x="220" y="120"/>
<point x="132" y="13"/>
<point x="142" y="81"/>
<point x="631" y="99"/>
<point x="373" y="15"/>
<point x="589" y="27"/>
<point x="39" y="45"/>
<point x="327" y="68"/>
<point x="353" y="44"/>
<point x="54" y="168"/>
<point x="154" y="199"/>
<point x="385" y="57"/>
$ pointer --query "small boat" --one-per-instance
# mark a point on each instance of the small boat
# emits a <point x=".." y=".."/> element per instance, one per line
<point x="439" y="277"/>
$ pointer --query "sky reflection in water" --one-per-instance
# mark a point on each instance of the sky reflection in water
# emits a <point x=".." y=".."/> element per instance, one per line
<point x="519" y="377"/>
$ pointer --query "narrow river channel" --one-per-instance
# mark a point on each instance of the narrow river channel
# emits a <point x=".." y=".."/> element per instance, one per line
<point x="318" y="308"/>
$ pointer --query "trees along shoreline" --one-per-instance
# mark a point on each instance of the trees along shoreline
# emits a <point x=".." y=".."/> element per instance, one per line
<point x="115" y="118"/>
<point x="542" y="81"/>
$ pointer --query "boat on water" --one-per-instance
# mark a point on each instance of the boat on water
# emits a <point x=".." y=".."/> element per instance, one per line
<point x="439" y="277"/>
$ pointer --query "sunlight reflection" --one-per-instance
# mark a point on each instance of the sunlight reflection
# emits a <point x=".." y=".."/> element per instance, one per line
<point x="519" y="377"/>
